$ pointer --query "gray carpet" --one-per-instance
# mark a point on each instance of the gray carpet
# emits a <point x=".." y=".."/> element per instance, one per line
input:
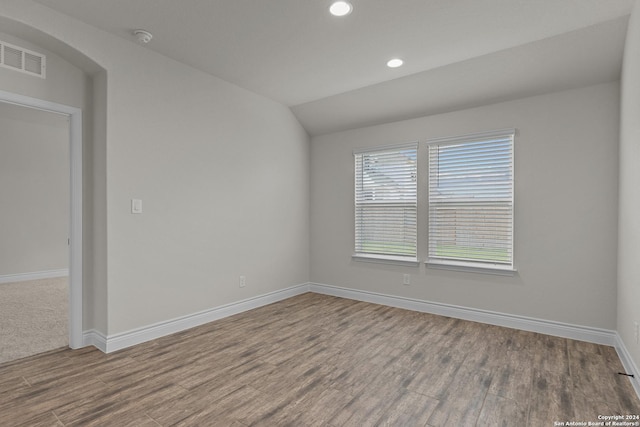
<point x="33" y="317"/>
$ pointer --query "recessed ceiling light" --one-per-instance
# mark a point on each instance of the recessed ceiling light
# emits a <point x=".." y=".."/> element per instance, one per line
<point x="395" y="63"/>
<point x="340" y="8"/>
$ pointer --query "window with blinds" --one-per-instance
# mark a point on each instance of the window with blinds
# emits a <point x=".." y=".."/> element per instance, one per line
<point x="471" y="200"/>
<point x="386" y="207"/>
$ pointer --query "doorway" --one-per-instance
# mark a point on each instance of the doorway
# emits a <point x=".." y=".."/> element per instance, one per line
<point x="73" y="118"/>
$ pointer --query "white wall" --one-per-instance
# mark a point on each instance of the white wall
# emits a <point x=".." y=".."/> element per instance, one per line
<point x="34" y="191"/>
<point x="222" y="172"/>
<point x="629" y="219"/>
<point x="565" y="209"/>
<point x="223" y="175"/>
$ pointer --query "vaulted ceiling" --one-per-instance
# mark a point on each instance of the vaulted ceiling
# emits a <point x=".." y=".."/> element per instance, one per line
<point x="331" y="71"/>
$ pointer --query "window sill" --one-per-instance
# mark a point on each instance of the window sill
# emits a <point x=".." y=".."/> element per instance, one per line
<point x="471" y="268"/>
<point x="386" y="259"/>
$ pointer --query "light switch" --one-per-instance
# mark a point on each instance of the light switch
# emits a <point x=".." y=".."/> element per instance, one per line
<point x="136" y="206"/>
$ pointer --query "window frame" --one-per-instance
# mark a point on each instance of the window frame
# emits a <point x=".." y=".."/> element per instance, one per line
<point x="480" y="266"/>
<point x="388" y="258"/>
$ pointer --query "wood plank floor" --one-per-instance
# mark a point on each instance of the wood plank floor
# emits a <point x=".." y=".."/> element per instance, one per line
<point x="315" y="360"/>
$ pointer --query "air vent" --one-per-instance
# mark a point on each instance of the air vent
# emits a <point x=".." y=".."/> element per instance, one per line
<point x="23" y="60"/>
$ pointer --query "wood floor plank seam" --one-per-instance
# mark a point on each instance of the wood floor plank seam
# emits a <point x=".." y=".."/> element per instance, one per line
<point x="152" y="419"/>
<point x="54" y="414"/>
<point x="25" y="380"/>
<point x="484" y="400"/>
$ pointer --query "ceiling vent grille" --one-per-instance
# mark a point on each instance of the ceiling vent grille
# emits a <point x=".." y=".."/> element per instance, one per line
<point x="23" y="60"/>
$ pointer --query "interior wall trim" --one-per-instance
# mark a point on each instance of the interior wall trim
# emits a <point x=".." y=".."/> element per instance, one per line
<point x="23" y="277"/>
<point x="96" y="339"/>
<point x="111" y="343"/>
<point x="629" y="366"/>
<point x="548" y="327"/>
<point x="146" y="333"/>
<point x="119" y="341"/>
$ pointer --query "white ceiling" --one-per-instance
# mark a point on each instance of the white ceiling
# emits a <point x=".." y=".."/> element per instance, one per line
<point x="332" y="71"/>
<point x="583" y="57"/>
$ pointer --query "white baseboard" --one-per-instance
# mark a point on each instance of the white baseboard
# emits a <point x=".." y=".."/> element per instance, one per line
<point x="548" y="327"/>
<point x="22" y="277"/>
<point x="629" y="366"/>
<point x="115" y="342"/>
<point x="96" y="339"/>
<point x="122" y="340"/>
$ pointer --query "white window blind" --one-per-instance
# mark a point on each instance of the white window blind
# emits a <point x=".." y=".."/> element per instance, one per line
<point x="386" y="202"/>
<point x="471" y="200"/>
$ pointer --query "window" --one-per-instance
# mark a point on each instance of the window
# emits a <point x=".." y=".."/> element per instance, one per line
<point x="471" y="201"/>
<point x="386" y="207"/>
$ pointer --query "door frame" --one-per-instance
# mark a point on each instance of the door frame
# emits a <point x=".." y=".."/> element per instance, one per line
<point x="75" y="217"/>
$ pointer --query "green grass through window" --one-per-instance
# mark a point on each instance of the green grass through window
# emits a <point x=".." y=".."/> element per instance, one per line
<point x="498" y="255"/>
<point x="465" y="252"/>
<point x="400" y="249"/>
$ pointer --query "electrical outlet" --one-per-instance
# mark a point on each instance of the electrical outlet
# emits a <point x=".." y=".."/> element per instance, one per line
<point x="243" y="281"/>
<point x="637" y="325"/>
<point x="406" y="279"/>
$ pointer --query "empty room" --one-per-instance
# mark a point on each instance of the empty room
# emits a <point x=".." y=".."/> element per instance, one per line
<point x="321" y="213"/>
